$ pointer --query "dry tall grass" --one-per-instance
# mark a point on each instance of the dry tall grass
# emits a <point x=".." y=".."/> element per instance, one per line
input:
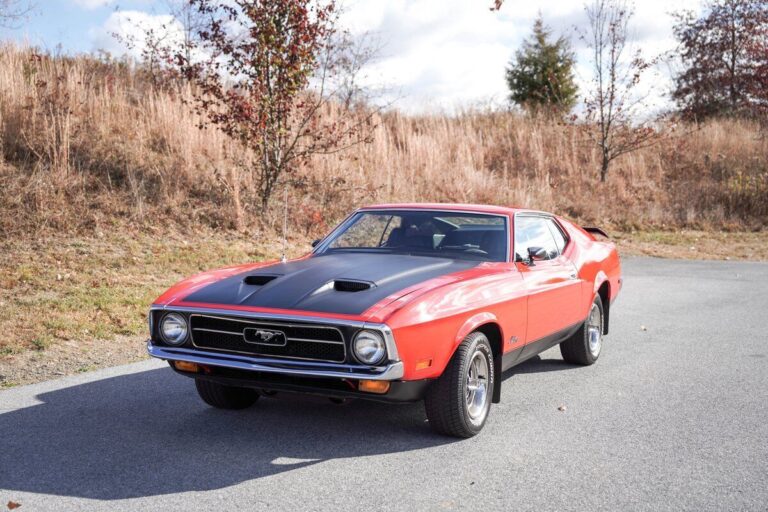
<point x="88" y="144"/>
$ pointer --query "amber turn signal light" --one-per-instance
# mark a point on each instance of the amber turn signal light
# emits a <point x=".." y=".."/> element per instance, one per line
<point x="184" y="366"/>
<point x="424" y="363"/>
<point x="374" y="386"/>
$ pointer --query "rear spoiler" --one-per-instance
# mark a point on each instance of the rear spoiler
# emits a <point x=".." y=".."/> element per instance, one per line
<point x="595" y="231"/>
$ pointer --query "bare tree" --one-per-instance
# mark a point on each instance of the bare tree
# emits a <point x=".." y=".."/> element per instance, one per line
<point x="159" y="44"/>
<point x="13" y="11"/>
<point x="614" y="107"/>
<point x="192" y="22"/>
<point x="350" y="56"/>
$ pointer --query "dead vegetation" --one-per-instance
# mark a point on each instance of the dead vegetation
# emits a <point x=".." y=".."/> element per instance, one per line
<point x="86" y="142"/>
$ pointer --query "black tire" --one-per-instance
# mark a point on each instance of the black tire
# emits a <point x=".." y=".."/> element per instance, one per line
<point x="576" y="349"/>
<point x="225" y="397"/>
<point x="446" y="400"/>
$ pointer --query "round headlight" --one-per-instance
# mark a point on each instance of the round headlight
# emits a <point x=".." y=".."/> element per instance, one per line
<point x="173" y="329"/>
<point x="369" y="347"/>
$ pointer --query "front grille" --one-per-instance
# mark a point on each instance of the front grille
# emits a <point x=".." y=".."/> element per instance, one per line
<point x="273" y="339"/>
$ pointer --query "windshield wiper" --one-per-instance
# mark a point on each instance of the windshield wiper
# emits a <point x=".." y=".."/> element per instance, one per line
<point x="358" y="249"/>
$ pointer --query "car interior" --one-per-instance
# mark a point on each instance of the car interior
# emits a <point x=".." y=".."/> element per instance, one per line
<point x="423" y="233"/>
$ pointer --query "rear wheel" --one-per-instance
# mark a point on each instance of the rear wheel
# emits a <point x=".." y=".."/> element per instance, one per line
<point x="225" y="397"/>
<point x="457" y="404"/>
<point x="585" y="345"/>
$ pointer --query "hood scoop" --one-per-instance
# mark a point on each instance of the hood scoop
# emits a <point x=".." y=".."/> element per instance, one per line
<point x="259" y="279"/>
<point x="350" y="285"/>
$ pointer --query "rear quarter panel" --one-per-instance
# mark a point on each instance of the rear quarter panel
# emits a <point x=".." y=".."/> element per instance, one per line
<point x="596" y="261"/>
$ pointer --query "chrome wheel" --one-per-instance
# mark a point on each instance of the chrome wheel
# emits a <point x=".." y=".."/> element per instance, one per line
<point x="476" y="390"/>
<point x="458" y="403"/>
<point x="595" y="330"/>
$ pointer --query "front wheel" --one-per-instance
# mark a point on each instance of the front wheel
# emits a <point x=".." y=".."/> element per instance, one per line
<point x="225" y="397"/>
<point x="458" y="403"/>
<point x="585" y="345"/>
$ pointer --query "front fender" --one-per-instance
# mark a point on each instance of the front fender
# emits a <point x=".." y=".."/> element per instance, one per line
<point x="470" y="326"/>
<point x="473" y="323"/>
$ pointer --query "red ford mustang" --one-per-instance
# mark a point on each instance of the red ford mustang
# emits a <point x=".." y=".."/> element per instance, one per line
<point x="398" y="303"/>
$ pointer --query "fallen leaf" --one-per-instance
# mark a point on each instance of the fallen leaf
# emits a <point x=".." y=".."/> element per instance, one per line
<point x="562" y="408"/>
<point x="12" y="505"/>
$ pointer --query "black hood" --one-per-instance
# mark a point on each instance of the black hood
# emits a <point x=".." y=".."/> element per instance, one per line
<point x="344" y="283"/>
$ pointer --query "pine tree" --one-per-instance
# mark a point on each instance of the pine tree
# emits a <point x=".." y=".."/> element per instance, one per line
<point x="541" y="74"/>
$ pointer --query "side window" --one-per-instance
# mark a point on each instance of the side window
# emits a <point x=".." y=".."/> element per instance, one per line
<point x="533" y="232"/>
<point x="557" y="232"/>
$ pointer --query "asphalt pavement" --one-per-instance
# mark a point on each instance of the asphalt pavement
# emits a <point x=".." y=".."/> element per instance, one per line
<point x="674" y="416"/>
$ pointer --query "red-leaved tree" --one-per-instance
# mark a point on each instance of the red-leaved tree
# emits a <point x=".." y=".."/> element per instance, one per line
<point x="758" y="87"/>
<point x="725" y="57"/>
<point x="267" y="78"/>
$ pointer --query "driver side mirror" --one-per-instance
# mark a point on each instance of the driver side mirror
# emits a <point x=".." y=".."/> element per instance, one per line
<point x="536" y="253"/>
<point x="316" y="242"/>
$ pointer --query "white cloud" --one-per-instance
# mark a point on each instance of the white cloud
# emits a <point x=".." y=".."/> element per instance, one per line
<point x="93" y="4"/>
<point x="441" y="54"/>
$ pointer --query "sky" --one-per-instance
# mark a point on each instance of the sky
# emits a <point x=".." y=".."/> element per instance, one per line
<point x="435" y="55"/>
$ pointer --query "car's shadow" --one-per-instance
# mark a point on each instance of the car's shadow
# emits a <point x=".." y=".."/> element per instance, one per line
<point x="148" y="434"/>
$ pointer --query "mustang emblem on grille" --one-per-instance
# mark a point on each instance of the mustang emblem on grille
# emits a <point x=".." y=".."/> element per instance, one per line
<point x="264" y="337"/>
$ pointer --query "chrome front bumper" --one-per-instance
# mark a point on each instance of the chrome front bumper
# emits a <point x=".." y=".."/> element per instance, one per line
<point x="392" y="371"/>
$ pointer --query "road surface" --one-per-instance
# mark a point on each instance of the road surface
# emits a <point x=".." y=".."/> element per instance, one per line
<point x="674" y="416"/>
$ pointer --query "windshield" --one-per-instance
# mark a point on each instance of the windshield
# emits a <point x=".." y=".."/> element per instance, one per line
<point x="425" y="233"/>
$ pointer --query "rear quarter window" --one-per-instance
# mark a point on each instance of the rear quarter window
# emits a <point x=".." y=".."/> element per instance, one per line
<point x="557" y="233"/>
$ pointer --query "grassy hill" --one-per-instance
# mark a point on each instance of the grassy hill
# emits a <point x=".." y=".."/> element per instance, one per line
<point x="109" y="192"/>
